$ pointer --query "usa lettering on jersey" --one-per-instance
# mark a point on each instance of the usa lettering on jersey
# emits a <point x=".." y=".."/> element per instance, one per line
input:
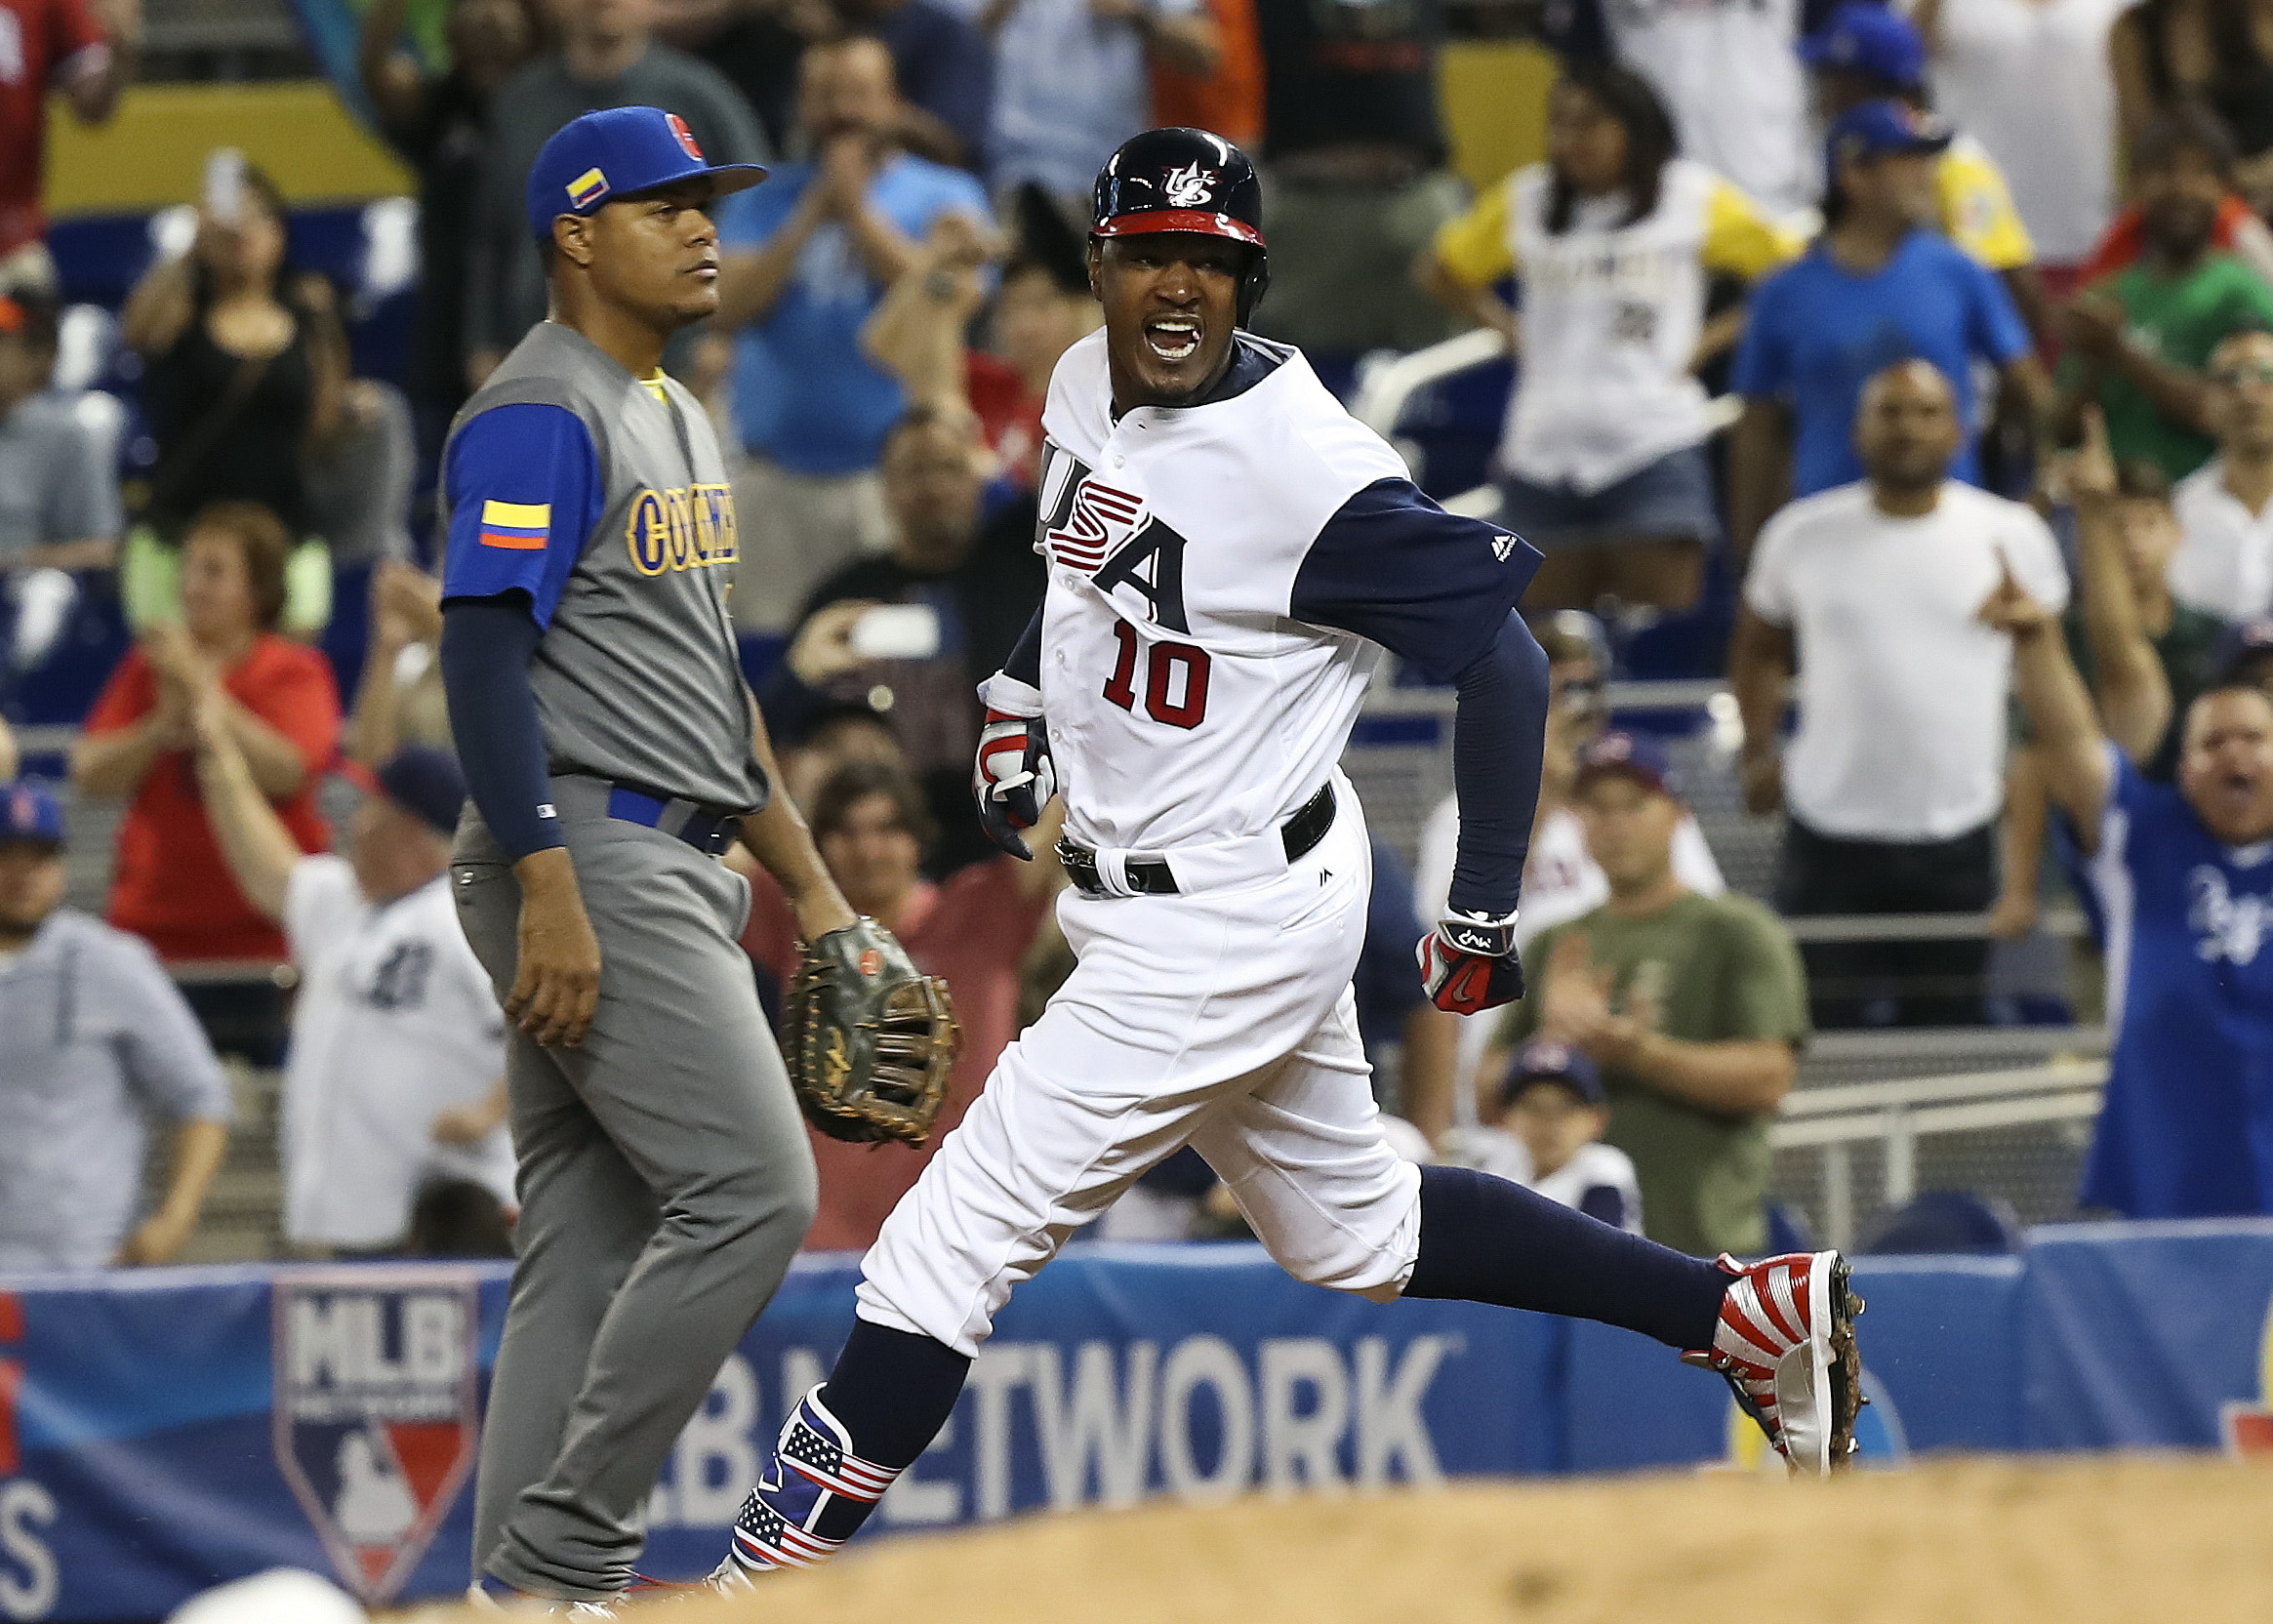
<point x="1106" y="533"/>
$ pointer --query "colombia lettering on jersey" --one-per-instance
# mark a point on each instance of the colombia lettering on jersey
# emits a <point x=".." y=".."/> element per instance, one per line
<point x="1107" y="534"/>
<point x="681" y="529"/>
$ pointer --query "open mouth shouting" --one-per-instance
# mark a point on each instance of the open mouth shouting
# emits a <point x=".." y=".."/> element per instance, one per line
<point x="1173" y="339"/>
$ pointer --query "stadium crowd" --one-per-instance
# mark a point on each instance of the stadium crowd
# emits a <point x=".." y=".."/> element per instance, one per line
<point x="1936" y="414"/>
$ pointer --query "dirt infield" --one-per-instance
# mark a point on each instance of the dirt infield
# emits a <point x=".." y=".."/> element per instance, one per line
<point x="1974" y="1542"/>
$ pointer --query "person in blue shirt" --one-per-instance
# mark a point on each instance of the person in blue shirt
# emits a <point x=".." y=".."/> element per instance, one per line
<point x="1881" y="285"/>
<point x="803" y="262"/>
<point x="2183" y="873"/>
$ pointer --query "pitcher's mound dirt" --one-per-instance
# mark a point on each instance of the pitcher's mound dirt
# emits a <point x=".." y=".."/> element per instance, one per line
<point x="2140" y="1541"/>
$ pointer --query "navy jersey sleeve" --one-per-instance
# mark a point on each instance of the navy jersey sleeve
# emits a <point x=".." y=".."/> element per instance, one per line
<point x="1430" y="586"/>
<point x="525" y="490"/>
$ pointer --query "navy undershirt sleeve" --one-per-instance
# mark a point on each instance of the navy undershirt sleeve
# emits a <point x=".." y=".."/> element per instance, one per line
<point x="1499" y="730"/>
<point x="1440" y="590"/>
<point x="487" y="643"/>
<point x="1025" y="661"/>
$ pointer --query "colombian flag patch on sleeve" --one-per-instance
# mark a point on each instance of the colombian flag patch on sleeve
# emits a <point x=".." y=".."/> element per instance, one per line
<point x="516" y="526"/>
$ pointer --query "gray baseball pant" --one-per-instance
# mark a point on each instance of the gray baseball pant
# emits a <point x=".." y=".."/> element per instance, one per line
<point x="665" y="1182"/>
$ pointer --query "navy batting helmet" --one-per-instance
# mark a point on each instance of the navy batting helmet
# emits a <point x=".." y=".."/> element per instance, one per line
<point x="1180" y="179"/>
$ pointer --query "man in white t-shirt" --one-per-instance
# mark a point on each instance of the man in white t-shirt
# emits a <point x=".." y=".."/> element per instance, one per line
<point x="397" y="1061"/>
<point x="1896" y="777"/>
<point x="2225" y="566"/>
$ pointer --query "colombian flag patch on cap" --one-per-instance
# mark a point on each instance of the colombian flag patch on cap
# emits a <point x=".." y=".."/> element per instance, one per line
<point x="586" y="190"/>
<point x="516" y="526"/>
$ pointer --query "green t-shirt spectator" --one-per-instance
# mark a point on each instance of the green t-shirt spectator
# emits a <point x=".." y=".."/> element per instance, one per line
<point x="2181" y="318"/>
<point x="1719" y="968"/>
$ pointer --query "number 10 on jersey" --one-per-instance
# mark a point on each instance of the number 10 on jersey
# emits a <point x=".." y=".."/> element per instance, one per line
<point x="1175" y="679"/>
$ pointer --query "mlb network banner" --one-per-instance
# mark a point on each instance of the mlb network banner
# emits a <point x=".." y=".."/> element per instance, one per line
<point x="161" y="1431"/>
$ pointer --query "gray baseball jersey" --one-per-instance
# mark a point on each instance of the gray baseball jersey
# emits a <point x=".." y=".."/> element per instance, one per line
<point x="606" y="500"/>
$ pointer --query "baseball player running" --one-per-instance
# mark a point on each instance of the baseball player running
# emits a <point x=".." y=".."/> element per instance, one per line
<point x="1228" y="553"/>
<point x="612" y="751"/>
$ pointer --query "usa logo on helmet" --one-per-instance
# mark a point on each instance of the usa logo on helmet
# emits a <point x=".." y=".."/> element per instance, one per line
<point x="1190" y="187"/>
<point x="375" y="1411"/>
<point x="686" y="138"/>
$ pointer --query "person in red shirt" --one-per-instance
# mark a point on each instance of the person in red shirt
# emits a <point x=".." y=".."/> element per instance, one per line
<point x="870" y="823"/>
<point x="86" y="52"/>
<point x="172" y="886"/>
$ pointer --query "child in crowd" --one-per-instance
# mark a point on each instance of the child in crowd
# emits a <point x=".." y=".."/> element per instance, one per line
<point x="1552" y="1111"/>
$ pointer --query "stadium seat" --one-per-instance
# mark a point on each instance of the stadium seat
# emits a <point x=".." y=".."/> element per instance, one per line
<point x="1945" y="1221"/>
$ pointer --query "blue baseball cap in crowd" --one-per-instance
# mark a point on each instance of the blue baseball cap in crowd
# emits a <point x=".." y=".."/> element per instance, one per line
<point x="1864" y="37"/>
<point x="1637" y="755"/>
<point x="1882" y="129"/>
<point x="2244" y="643"/>
<point x="615" y="153"/>
<point x="28" y="813"/>
<point x="1544" y="1060"/>
<point x="426" y="782"/>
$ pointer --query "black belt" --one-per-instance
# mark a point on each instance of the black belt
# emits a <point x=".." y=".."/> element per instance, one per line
<point x="1150" y="876"/>
<point x="706" y="829"/>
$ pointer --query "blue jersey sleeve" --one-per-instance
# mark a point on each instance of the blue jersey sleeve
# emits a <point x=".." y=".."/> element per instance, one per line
<point x="1430" y="586"/>
<point x="525" y="490"/>
<point x="1995" y="328"/>
<point x="1763" y="367"/>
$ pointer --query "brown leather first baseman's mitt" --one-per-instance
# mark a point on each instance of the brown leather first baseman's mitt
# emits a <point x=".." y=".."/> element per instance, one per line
<point x="868" y="1041"/>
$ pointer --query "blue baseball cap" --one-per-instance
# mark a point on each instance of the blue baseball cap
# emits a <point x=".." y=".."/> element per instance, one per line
<point x="426" y="782"/>
<point x="1882" y="129"/>
<point x="1544" y="1060"/>
<point x="1637" y="755"/>
<point x="28" y="812"/>
<point x="1865" y="37"/>
<point x="618" y="152"/>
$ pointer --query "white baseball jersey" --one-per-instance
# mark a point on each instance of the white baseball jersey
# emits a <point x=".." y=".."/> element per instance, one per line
<point x="396" y="1023"/>
<point x="1222" y="579"/>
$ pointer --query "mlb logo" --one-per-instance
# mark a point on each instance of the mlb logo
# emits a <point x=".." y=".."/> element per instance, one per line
<point x="376" y="1415"/>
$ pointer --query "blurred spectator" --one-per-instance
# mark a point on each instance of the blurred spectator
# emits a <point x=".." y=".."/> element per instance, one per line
<point x="396" y="1071"/>
<point x="2139" y="338"/>
<point x="101" y="1043"/>
<point x="10" y="757"/>
<point x="1868" y="52"/>
<point x="2224" y="565"/>
<point x="1880" y="286"/>
<point x="439" y="122"/>
<point x="1553" y="1109"/>
<point x="1354" y="179"/>
<point x="756" y="44"/>
<point x="59" y="499"/>
<point x="837" y="734"/>
<point x="871" y="824"/>
<point x="607" y="56"/>
<point x="245" y="365"/>
<point x="1042" y="305"/>
<point x="2184" y="875"/>
<point x="1611" y="240"/>
<point x="806" y="259"/>
<point x="1728" y="69"/>
<point x="2124" y="620"/>
<point x="917" y="628"/>
<point x="2051" y="143"/>
<point x="172" y="886"/>
<point x="1874" y="592"/>
<point x="1071" y="83"/>
<point x="2217" y="53"/>
<point x="1693" y="1007"/>
<point x="2246" y="655"/>
<point x="946" y="73"/>
<point x="85" y="51"/>
<point x="398" y="699"/>
<point x="458" y="1218"/>
<point x="1228" y="97"/>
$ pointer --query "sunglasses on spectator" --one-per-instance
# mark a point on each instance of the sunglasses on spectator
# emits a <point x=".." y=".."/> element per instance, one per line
<point x="2259" y="372"/>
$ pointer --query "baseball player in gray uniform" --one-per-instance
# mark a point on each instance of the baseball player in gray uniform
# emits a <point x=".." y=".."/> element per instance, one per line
<point x="612" y="752"/>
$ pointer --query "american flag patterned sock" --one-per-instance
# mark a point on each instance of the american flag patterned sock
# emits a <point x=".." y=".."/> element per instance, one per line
<point x="815" y="1492"/>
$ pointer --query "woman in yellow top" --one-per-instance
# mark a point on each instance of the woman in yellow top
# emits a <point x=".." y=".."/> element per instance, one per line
<point x="1612" y="240"/>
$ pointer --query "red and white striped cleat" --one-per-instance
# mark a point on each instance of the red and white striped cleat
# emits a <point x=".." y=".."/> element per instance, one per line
<point x="1786" y="1344"/>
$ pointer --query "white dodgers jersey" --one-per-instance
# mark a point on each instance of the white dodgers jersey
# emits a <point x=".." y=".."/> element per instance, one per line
<point x="1188" y="699"/>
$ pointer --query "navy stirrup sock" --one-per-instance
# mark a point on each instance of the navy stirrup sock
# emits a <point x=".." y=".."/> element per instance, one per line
<point x="893" y="1391"/>
<point x="1489" y="1240"/>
